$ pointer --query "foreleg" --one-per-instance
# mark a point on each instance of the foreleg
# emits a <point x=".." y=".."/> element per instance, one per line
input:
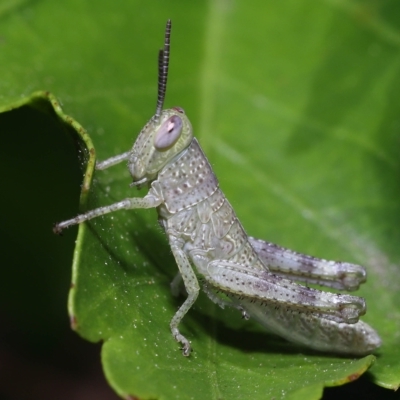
<point x="113" y="161"/>
<point x="148" y="201"/>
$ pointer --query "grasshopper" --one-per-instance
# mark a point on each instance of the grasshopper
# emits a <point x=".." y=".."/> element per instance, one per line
<point x="252" y="275"/>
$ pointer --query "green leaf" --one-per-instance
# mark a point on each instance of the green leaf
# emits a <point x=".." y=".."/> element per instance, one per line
<point x="295" y="104"/>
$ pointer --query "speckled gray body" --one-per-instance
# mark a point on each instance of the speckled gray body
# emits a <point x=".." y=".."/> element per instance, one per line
<point x="198" y="218"/>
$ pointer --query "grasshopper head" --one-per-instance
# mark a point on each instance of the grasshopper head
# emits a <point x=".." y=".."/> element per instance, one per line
<point x="159" y="142"/>
<point x="166" y="135"/>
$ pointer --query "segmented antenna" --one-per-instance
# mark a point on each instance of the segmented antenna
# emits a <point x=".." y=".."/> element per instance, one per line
<point x="163" y="61"/>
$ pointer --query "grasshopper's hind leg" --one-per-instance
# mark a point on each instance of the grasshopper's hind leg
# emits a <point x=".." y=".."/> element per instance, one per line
<point x="313" y="331"/>
<point x="263" y="286"/>
<point x="301" y="267"/>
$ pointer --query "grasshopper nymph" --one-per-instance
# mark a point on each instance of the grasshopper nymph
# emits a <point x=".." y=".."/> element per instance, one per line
<point x="252" y="275"/>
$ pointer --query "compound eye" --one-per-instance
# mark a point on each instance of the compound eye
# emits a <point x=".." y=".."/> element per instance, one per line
<point x="179" y="109"/>
<point x="169" y="133"/>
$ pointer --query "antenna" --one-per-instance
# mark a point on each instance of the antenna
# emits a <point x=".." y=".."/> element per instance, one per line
<point x="163" y="62"/>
